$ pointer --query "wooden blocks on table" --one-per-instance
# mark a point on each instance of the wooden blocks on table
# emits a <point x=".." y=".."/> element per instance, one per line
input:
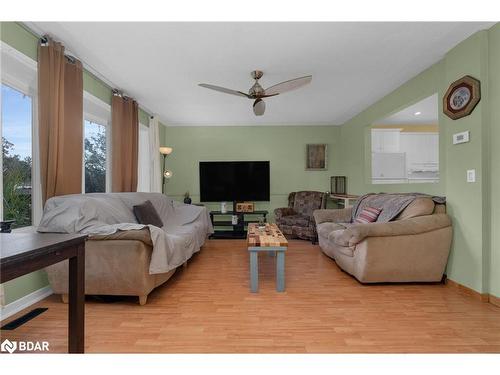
<point x="269" y="236"/>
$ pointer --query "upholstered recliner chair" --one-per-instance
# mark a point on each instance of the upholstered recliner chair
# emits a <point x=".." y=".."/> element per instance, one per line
<point x="296" y="220"/>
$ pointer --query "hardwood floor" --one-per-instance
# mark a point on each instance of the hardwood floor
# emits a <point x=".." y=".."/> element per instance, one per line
<point x="207" y="308"/>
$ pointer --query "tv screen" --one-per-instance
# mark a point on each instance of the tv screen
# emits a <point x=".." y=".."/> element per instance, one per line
<point x="234" y="181"/>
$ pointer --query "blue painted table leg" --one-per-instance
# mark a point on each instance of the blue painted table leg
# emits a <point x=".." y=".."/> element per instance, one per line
<point x="280" y="271"/>
<point x="254" y="271"/>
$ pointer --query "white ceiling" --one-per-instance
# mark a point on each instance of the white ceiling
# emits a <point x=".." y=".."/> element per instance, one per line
<point x="353" y="64"/>
<point x="424" y="112"/>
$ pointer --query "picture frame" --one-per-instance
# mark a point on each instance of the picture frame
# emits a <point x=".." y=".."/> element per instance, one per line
<point x="461" y="97"/>
<point x="316" y="157"/>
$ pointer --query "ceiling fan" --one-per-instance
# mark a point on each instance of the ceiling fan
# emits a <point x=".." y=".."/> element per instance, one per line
<point x="257" y="93"/>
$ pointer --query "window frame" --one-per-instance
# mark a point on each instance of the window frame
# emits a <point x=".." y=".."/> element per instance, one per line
<point x="28" y="87"/>
<point x="100" y="120"/>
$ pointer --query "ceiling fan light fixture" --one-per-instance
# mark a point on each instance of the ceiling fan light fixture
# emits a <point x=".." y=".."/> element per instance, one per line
<point x="259" y="107"/>
<point x="257" y="92"/>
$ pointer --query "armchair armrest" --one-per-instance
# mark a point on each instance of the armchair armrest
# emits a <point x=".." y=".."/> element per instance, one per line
<point x="421" y="224"/>
<point x="284" y="211"/>
<point x="333" y="215"/>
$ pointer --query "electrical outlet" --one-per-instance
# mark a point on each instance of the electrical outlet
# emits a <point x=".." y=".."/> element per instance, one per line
<point x="471" y="175"/>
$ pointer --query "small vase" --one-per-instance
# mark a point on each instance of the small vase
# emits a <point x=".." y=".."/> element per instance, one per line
<point x="187" y="200"/>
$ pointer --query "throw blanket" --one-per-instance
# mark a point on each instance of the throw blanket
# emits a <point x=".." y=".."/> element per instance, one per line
<point x="391" y="204"/>
<point x="184" y="231"/>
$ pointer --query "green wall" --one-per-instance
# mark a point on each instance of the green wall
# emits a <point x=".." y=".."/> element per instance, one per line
<point x="24" y="41"/>
<point x="283" y="146"/>
<point x="472" y="259"/>
<point x="467" y="200"/>
<point x="356" y="142"/>
<point x="494" y="146"/>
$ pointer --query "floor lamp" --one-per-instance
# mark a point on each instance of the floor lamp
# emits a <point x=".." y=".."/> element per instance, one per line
<point x="165" y="151"/>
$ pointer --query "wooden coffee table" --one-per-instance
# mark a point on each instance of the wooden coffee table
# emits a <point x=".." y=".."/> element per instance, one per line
<point x="270" y="240"/>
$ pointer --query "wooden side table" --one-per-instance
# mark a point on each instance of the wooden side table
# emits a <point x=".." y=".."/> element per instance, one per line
<point x="269" y="240"/>
<point x="23" y="253"/>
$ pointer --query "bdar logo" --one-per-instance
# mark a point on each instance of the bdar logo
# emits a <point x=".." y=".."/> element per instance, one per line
<point x="8" y="346"/>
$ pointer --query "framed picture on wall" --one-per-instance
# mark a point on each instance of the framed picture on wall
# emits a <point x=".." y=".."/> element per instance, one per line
<point x="462" y="97"/>
<point x="316" y="157"/>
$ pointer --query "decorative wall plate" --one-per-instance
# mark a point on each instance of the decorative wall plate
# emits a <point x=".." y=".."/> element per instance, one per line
<point x="461" y="97"/>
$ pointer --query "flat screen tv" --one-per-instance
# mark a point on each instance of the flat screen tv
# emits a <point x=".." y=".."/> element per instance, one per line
<point x="237" y="181"/>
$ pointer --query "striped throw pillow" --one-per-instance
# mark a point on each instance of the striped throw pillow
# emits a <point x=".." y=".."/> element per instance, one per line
<point x="368" y="215"/>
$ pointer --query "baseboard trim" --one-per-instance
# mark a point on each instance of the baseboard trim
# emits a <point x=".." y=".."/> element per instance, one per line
<point x="483" y="297"/>
<point x="25" y="302"/>
<point x="494" y="300"/>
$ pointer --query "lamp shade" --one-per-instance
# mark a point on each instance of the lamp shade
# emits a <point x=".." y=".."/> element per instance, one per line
<point x="166" y="150"/>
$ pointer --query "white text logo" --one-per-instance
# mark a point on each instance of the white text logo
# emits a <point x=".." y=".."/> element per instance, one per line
<point x="24" y="346"/>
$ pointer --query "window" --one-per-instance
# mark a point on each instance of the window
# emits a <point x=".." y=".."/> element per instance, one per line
<point x="95" y="157"/>
<point x="20" y="190"/>
<point x="144" y="167"/>
<point x="17" y="116"/>
<point x="405" y="145"/>
<point x="96" y="145"/>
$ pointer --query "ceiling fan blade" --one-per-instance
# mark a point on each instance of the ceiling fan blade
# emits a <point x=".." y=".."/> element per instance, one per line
<point x="288" y="85"/>
<point x="224" y="90"/>
<point x="259" y="107"/>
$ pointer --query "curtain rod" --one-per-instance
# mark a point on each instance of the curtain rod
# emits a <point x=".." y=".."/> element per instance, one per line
<point x="33" y="30"/>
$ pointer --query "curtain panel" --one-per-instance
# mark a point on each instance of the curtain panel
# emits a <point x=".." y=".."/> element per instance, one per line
<point x="60" y="116"/>
<point x="155" y="163"/>
<point x="124" y="143"/>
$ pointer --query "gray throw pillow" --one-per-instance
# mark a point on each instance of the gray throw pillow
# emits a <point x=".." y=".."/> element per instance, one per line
<point x="146" y="214"/>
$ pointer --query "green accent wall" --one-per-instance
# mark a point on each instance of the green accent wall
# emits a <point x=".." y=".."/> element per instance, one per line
<point x="283" y="146"/>
<point x="96" y="87"/>
<point x="494" y="147"/>
<point x="468" y="201"/>
<point x="17" y="36"/>
<point x="24" y="285"/>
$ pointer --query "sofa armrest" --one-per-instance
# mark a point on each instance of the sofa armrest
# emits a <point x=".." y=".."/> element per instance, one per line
<point x="284" y="211"/>
<point x="421" y="224"/>
<point x="333" y="215"/>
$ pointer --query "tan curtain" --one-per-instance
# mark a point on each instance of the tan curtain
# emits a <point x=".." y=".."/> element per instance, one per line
<point x="124" y="143"/>
<point x="60" y="114"/>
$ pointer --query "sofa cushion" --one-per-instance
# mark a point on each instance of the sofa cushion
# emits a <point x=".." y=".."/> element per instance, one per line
<point x="142" y="235"/>
<point x="324" y="229"/>
<point x="346" y="250"/>
<point x="339" y="245"/>
<point x="419" y="207"/>
<point x="146" y="214"/>
<point x="368" y="215"/>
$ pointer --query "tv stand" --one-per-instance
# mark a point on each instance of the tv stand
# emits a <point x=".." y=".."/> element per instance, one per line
<point x="238" y="231"/>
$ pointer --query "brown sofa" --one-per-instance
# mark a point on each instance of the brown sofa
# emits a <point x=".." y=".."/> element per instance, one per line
<point x="412" y="248"/>
<point x="297" y="219"/>
<point x="115" y="264"/>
